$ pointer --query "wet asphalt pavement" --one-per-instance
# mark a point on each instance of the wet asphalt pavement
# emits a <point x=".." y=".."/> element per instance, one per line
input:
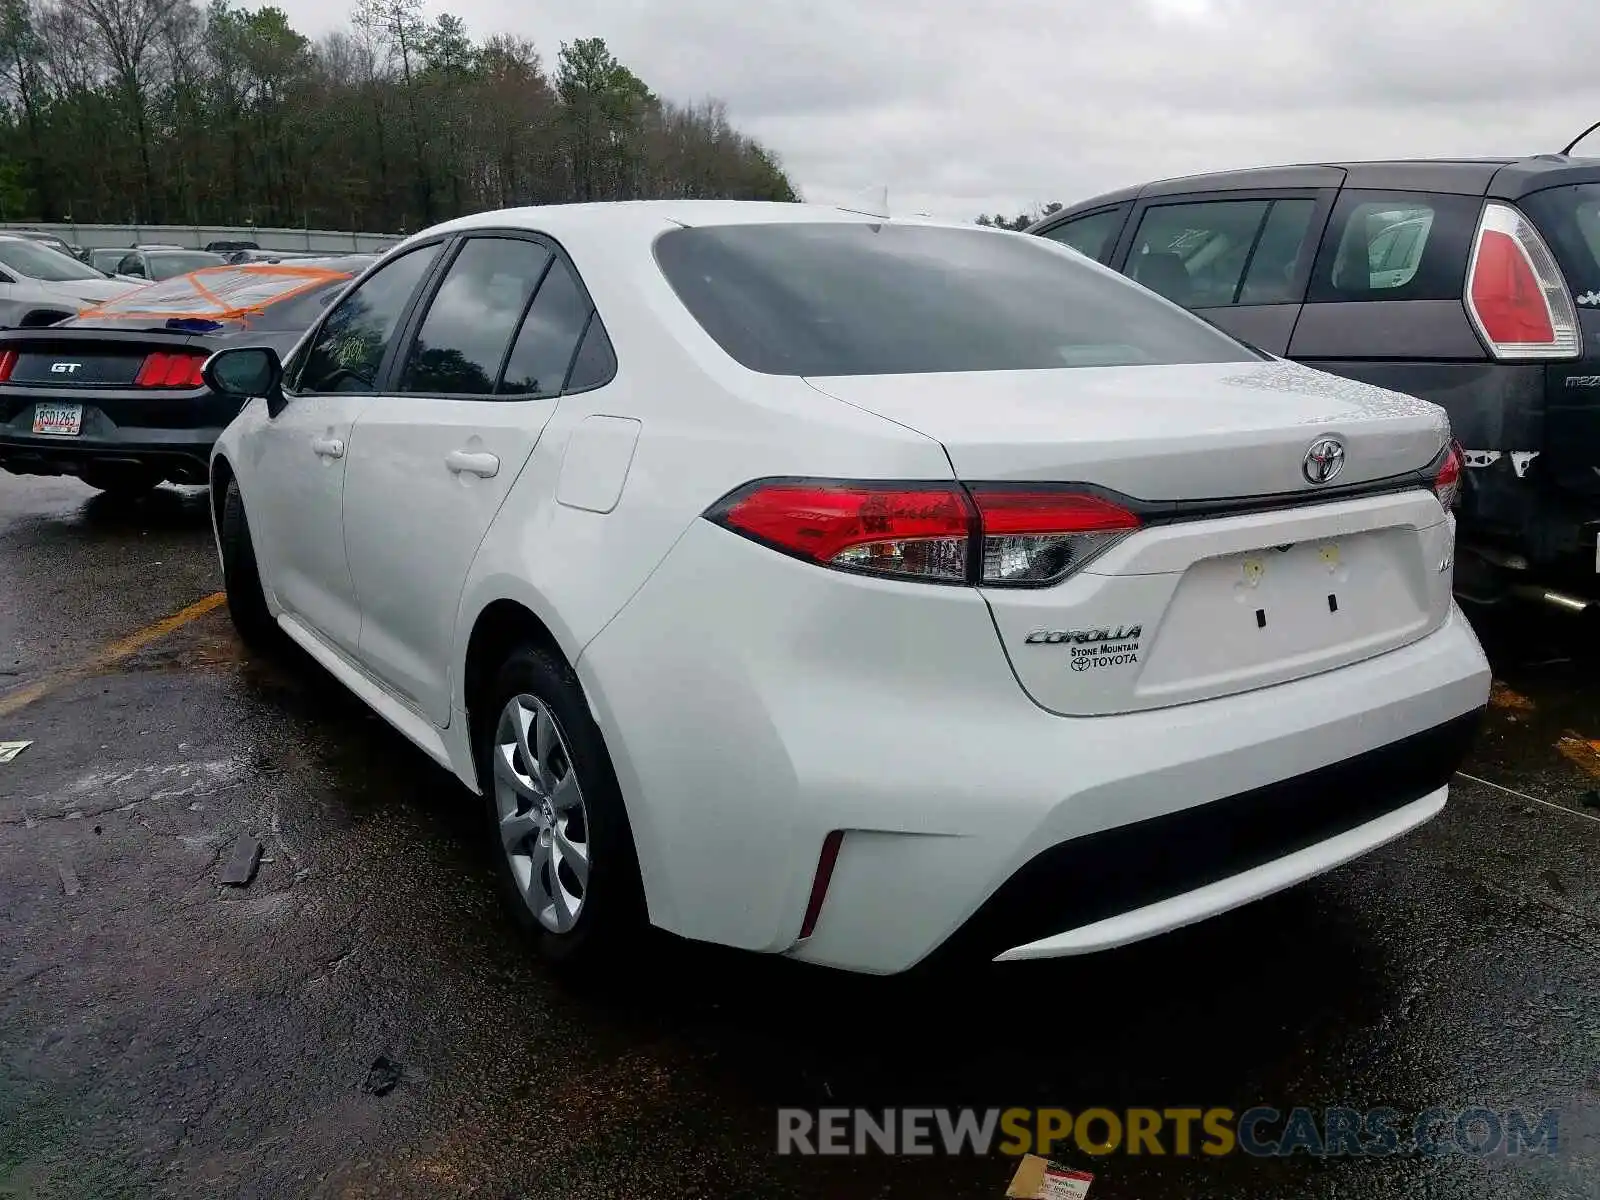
<point x="164" y="1036"/>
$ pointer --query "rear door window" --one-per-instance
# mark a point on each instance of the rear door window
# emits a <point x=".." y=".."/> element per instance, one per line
<point x="1195" y="254"/>
<point x="548" y="339"/>
<point x="1395" y="246"/>
<point x="1091" y="235"/>
<point x="851" y="298"/>
<point x="468" y="328"/>
<point x="1275" y="273"/>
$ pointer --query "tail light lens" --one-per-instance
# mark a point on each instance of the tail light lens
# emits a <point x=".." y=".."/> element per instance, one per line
<point x="167" y="370"/>
<point x="1515" y="293"/>
<point x="903" y="530"/>
<point x="8" y="362"/>
<point x="938" y="533"/>
<point x="1037" y="537"/>
<point x="1447" y="484"/>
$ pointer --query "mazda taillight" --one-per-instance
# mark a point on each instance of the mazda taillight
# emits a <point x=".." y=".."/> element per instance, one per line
<point x="996" y="535"/>
<point x="162" y="369"/>
<point x="1447" y="484"/>
<point x="1515" y="293"/>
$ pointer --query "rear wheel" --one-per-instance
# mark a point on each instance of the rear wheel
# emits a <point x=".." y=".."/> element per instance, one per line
<point x="121" y="480"/>
<point x="562" y="846"/>
<point x="241" y="578"/>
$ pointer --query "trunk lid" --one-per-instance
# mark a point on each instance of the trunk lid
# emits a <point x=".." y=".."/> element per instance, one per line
<point x="70" y="358"/>
<point x="1244" y="574"/>
<point x="1202" y="432"/>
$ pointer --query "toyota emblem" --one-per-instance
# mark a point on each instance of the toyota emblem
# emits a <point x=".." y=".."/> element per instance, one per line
<point x="1323" y="461"/>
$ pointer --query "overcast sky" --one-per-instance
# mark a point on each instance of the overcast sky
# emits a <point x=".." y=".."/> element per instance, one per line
<point x="965" y="107"/>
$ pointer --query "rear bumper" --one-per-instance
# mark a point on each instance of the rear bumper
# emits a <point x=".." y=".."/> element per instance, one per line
<point x="1133" y="881"/>
<point x="744" y="733"/>
<point x="181" y="455"/>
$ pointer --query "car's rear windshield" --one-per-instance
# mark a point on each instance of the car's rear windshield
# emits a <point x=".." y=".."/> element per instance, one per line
<point x="1569" y="219"/>
<point x="272" y="298"/>
<point x="886" y="299"/>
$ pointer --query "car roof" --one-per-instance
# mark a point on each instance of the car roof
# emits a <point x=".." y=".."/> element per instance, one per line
<point x="1503" y="178"/>
<point x="559" y="220"/>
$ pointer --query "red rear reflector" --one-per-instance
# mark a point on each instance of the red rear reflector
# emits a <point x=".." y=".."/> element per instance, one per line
<point x="1447" y="484"/>
<point x="1515" y="293"/>
<point x="819" y="883"/>
<point x="165" y="370"/>
<point x="906" y="530"/>
<point x="8" y="361"/>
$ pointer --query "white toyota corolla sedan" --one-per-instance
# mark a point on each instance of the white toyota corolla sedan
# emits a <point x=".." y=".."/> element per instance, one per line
<point x="851" y="588"/>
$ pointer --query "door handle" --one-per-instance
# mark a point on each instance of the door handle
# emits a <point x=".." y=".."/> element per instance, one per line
<point x="483" y="465"/>
<point x="328" y="447"/>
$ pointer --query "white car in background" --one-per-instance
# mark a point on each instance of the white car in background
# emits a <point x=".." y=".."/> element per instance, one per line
<point x="40" y="285"/>
<point x="851" y="588"/>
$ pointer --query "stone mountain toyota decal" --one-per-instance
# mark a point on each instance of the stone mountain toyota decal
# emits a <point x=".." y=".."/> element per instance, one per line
<point x="1093" y="649"/>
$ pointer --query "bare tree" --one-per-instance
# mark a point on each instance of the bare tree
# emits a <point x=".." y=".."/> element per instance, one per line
<point x="128" y="31"/>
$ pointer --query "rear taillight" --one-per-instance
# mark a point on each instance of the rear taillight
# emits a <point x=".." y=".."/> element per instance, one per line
<point x="1023" y="536"/>
<point x="166" y="370"/>
<point x="1447" y="484"/>
<point x="1034" y="537"/>
<point x="1515" y="292"/>
<point x="907" y="530"/>
<point x="8" y="362"/>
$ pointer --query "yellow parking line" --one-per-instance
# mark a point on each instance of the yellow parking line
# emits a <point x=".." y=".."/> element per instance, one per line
<point x="109" y="655"/>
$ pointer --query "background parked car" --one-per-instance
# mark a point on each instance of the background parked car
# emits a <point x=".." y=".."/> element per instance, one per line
<point x="52" y="240"/>
<point x="259" y="255"/>
<point x="40" y="286"/>
<point x="114" y="396"/>
<point x="1474" y="284"/>
<point x="227" y="248"/>
<point x="159" y="264"/>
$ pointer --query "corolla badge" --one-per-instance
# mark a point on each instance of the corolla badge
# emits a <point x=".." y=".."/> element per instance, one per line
<point x="1323" y="461"/>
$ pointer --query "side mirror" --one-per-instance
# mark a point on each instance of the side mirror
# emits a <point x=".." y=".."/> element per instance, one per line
<point x="244" y="372"/>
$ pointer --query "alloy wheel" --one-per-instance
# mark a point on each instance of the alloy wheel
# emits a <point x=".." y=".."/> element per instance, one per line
<point x="544" y="826"/>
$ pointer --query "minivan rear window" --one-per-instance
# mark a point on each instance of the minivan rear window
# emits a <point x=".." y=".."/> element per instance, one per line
<point x="1395" y="246"/>
<point x="827" y="298"/>
<point x="1569" y="219"/>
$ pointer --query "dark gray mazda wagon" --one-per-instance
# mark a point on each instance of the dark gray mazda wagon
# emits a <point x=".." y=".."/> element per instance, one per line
<point x="1471" y="283"/>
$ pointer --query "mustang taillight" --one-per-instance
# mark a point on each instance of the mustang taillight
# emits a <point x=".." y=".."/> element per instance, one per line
<point x="1447" y="484"/>
<point x="996" y="535"/>
<point x="162" y="369"/>
<point x="8" y="362"/>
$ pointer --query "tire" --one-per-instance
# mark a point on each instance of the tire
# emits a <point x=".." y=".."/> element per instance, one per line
<point x="123" y="482"/>
<point x="241" y="578"/>
<point x="610" y="914"/>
